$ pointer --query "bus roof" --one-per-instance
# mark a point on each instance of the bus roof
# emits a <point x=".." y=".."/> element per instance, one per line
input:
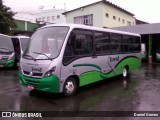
<point x="20" y="36"/>
<point x="72" y="26"/>
<point x="4" y="35"/>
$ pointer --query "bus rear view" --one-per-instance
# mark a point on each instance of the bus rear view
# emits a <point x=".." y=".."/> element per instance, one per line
<point x="7" y="54"/>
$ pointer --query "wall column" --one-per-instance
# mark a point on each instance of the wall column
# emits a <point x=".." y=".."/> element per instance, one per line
<point x="25" y="27"/>
<point x="150" y="50"/>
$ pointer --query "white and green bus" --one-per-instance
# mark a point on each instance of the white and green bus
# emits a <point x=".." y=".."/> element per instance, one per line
<point x="62" y="57"/>
<point x="7" y="54"/>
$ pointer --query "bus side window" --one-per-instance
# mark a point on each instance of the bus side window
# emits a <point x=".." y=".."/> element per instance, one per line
<point x="116" y="43"/>
<point x="102" y="43"/>
<point x="78" y="45"/>
<point x="136" y="44"/>
<point x="127" y="43"/>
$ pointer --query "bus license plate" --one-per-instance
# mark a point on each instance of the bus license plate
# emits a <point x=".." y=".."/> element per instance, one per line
<point x="30" y="87"/>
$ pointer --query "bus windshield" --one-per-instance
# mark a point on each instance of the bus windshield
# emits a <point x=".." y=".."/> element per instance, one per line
<point x="6" y="44"/>
<point x="46" y="43"/>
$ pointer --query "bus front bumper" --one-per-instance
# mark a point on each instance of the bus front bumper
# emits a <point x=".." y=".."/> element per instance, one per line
<point x="47" y="84"/>
<point x="8" y="63"/>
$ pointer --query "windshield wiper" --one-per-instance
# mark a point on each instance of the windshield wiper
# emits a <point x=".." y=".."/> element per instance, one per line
<point x="43" y="54"/>
<point x="6" y="49"/>
<point x="29" y="56"/>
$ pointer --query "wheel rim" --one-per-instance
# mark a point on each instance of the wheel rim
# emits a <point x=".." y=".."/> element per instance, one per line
<point x="124" y="72"/>
<point x="69" y="87"/>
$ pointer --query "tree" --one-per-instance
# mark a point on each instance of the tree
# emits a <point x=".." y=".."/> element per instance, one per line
<point x="6" y="19"/>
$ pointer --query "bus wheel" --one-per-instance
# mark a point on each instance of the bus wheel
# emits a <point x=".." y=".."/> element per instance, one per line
<point x="70" y="87"/>
<point x="125" y="72"/>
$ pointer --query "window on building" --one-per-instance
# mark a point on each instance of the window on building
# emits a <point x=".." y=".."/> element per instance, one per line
<point x="123" y="20"/>
<point x="114" y="17"/>
<point x="102" y="43"/>
<point x="53" y="18"/>
<point x="43" y="19"/>
<point x="58" y="16"/>
<point x="128" y="23"/>
<point x="48" y="18"/>
<point x="87" y="20"/>
<point x="107" y="15"/>
<point x="39" y="19"/>
<point x="119" y="19"/>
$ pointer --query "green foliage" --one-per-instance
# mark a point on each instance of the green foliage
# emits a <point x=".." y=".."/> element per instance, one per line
<point x="6" y="19"/>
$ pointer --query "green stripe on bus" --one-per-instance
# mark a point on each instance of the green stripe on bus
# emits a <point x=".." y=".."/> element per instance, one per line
<point x="94" y="76"/>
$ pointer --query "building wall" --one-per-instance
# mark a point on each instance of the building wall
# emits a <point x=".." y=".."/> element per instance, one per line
<point x="99" y="11"/>
<point x="51" y="16"/>
<point x="25" y="26"/>
<point x="110" y="22"/>
<point x="24" y="16"/>
<point x="95" y="9"/>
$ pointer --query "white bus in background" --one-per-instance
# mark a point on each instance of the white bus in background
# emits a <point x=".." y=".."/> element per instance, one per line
<point x="158" y="54"/>
<point x="20" y="43"/>
<point x="143" y="51"/>
<point x="7" y="55"/>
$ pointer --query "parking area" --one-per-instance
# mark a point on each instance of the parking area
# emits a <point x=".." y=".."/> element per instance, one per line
<point x="142" y="93"/>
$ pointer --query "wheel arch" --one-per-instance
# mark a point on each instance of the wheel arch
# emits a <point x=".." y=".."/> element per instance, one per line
<point x="76" y="77"/>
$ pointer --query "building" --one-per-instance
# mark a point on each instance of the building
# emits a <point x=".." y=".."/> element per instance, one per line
<point x="51" y="16"/>
<point x="100" y="14"/>
<point x="138" y="22"/>
<point x="26" y="23"/>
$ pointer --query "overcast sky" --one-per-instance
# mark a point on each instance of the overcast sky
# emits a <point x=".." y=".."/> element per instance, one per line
<point x="145" y="10"/>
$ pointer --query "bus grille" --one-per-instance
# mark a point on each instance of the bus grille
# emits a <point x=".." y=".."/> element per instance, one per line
<point x="4" y="59"/>
<point x="34" y="74"/>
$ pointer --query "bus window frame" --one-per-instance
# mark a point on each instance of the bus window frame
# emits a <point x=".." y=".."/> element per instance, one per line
<point x="75" y="57"/>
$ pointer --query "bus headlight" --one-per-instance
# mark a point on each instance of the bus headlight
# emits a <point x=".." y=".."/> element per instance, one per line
<point x="50" y="72"/>
<point x="12" y="56"/>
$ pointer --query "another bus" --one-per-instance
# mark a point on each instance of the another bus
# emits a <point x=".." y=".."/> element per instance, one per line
<point x="143" y="51"/>
<point x="20" y="43"/>
<point x="7" y="55"/>
<point x="62" y="57"/>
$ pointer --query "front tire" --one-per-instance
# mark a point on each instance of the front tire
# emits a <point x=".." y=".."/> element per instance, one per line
<point x="70" y="87"/>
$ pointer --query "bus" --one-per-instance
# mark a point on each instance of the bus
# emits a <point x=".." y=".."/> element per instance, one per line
<point x="143" y="51"/>
<point x="7" y="55"/>
<point x="20" y="43"/>
<point x="158" y="55"/>
<point x="60" y="58"/>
